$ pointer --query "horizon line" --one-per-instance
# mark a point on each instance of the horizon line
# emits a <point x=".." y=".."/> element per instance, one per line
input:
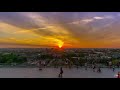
<point x="53" y="47"/>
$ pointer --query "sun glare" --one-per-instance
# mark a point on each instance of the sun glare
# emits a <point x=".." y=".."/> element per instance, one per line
<point x="60" y="44"/>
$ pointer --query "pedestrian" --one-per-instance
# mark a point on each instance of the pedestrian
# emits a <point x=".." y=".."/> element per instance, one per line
<point x="40" y="65"/>
<point x="61" y="72"/>
<point x="85" y="66"/>
<point x="93" y="68"/>
<point x="110" y="64"/>
<point x="113" y="68"/>
<point x="99" y="69"/>
<point x="66" y="63"/>
<point x="44" y="63"/>
<point x="118" y="65"/>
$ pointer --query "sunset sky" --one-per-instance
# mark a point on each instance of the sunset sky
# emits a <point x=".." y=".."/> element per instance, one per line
<point x="67" y="29"/>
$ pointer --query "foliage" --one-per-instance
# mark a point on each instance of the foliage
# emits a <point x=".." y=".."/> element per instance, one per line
<point x="12" y="58"/>
<point x="115" y="62"/>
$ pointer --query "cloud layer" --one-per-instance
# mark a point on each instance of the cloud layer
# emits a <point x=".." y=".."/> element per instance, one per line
<point x="49" y="29"/>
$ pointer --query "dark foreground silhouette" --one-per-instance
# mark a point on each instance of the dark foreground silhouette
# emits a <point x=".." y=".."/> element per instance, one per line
<point x="61" y="73"/>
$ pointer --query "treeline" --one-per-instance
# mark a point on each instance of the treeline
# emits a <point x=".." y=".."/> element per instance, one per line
<point x="12" y="58"/>
<point x="9" y="58"/>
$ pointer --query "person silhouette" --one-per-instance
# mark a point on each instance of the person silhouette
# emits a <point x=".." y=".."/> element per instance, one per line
<point x="85" y="66"/>
<point x="113" y="68"/>
<point x="94" y="68"/>
<point x="99" y="69"/>
<point x="61" y="72"/>
<point x="40" y="68"/>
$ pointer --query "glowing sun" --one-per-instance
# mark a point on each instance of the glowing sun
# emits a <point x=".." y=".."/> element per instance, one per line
<point x="60" y="44"/>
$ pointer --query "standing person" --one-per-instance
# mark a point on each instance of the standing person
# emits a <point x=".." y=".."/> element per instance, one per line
<point x="77" y="64"/>
<point x="85" y="66"/>
<point x="93" y="68"/>
<point x="61" y="72"/>
<point x="66" y="63"/>
<point x="70" y="64"/>
<point x="99" y="69"/>
<point x="118" y="65"/>
<point x="44" y="63"/>
<point x="110" y="64"/>
<point x="113" y="68"/>
<point x="40" y="68"/>
<point x="107" y="63"/>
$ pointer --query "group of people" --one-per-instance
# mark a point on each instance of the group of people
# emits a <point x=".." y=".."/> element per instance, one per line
<point x="99" y="70"/>
<point x="113" y="66"/>
<point x="94" y="67"/>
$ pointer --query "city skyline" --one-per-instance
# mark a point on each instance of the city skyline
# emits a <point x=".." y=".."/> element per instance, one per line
<point x="52" y="29"/>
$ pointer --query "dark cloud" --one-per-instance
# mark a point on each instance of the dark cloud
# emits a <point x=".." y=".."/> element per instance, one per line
<point x="16" y="19"/>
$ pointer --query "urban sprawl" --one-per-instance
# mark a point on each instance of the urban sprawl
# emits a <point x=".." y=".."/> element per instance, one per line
<point x="51" y="57"/>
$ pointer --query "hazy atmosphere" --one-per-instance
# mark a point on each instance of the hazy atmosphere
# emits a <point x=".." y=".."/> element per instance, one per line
<point x="67" y="29"/>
